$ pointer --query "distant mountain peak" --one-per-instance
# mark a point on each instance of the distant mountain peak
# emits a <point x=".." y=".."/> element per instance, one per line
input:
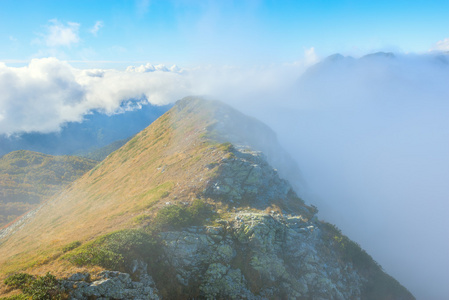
<point x="379" y="55"/>
<point x="335" y="57"/>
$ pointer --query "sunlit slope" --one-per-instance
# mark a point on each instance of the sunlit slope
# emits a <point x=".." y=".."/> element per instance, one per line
<point x="194" y="204"/>
<point x="165" y="162"/>
<point x="27" y="178"/>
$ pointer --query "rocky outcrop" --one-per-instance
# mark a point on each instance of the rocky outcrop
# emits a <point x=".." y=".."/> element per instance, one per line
<point x="239" y="129"/>
<point x="245" y="178"/>
<point x="112" y="285"/>
<point x="260" y="256"/>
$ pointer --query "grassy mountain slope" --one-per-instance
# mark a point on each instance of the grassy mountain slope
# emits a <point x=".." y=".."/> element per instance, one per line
<point x="132" y="180"/>
<point x="26" y="178"/>
<point x="164" y="186"/>
<point x="101" y="153"/>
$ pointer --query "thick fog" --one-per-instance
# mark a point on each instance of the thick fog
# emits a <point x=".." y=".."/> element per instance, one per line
<point x="371" y="136"/>
<point x="372" y="139"/>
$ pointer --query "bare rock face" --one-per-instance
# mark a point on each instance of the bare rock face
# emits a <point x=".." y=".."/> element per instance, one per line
<point x="245" y="177"/>
<point x="260" y="256"/>
<point x="112" y="285"/>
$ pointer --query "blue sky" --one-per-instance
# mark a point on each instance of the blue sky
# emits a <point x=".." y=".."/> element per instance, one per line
<point x="188" y="32"/>
<point x="251" y="54"/>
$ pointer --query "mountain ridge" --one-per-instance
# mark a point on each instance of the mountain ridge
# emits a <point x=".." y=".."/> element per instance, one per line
<point x="222" y="220"/>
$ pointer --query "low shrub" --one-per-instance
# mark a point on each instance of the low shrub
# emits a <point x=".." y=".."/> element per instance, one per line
<point x="38" y="288"/>
<point x="18" y="280"/>
<point x="177" y="216"/>
<point x="43" y="288"/>
<point x="99" y="256"/>
<point x="71" y="246"/>
<point x="115" y="250"/>
<point x="142" y="219"/>
<point x="173" y="216"/>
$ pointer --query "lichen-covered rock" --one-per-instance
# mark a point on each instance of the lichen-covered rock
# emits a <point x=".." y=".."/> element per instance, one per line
<point x="111" y="285"/>
<point x="221" y="281"/>
<point x="245" y="176"/>
<point x="261" y="256"/>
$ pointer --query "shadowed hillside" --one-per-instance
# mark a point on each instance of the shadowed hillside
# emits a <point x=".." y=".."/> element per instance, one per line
<point x="26" y="178"/>
<point x="95" y="131"/>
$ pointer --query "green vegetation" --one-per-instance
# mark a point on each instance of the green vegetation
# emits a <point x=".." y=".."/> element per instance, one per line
<point x="149" y="197"/>
<point x="27" y="178"/>
<point x="18" y="280"/>
<point x="142" y="219"/>
<point x="226" y="147"/>
<point x="177" y="216"/>
<point x="115" y="250"/>
<point x="71" y="246"/>
<point x="38" y="288"/>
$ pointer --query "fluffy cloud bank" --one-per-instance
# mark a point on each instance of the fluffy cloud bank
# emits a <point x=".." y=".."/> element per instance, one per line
<point x="47" y="93"/>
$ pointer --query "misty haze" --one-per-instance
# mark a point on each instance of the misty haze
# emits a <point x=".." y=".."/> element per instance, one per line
<point x="224" y="150"/>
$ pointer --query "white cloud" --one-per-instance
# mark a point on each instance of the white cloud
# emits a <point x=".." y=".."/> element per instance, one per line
<point x="48" y="92"/>
<point x="152" y="68"/>
<point x="310" y="56"/>
<point x="59" y="34"/>
<point x="94" y="30"/>
<point x="442" y="45"/>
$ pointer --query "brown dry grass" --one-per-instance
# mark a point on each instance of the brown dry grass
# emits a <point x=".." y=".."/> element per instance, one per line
<point x="165" y="162"/>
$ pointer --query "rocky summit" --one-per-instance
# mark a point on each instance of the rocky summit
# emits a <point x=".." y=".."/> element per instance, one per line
<point x="200" y="205"/>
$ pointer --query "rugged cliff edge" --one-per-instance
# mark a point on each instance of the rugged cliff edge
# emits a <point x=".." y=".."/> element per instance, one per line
<point x="192" y="207"/>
